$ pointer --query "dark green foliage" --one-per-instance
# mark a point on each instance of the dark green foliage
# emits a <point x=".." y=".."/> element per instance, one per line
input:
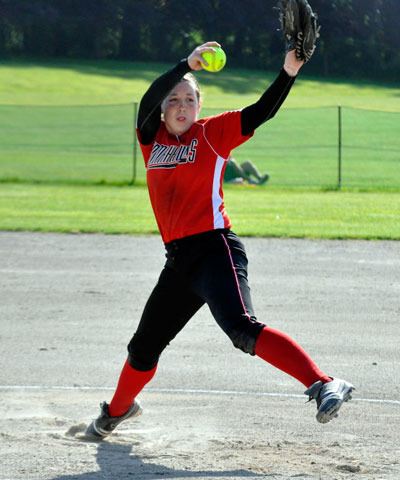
<point x="359" y="38"/>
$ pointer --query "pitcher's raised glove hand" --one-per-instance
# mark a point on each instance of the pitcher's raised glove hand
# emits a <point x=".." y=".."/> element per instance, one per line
<point x="299" y="26"/>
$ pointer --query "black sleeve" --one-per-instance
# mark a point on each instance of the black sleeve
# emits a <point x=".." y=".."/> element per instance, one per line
<point x="149" y="116"/>
<point x="266" y="107"/>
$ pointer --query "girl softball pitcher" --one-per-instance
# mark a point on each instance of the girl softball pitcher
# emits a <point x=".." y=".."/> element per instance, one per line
<point x="185" y="159"/>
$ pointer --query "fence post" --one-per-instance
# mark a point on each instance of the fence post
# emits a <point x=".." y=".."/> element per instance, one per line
<point x="339" y="147"/>
<point x="135" y="108"/>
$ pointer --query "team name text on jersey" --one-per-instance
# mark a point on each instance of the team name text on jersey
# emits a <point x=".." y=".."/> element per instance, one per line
<point x="170" y="156"/>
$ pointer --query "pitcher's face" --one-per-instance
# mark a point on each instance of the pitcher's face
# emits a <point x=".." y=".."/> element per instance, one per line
<point x="181" y="108"/>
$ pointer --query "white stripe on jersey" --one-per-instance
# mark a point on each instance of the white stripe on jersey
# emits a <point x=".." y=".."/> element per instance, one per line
<point x="216" y="197"/>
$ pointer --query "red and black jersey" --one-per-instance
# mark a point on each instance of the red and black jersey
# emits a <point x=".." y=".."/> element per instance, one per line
<point x="185" y="173"/>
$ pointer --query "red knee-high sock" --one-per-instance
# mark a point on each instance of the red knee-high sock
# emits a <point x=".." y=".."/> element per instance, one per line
<point x="283" y="352"/>
<point x="130" y="383"/>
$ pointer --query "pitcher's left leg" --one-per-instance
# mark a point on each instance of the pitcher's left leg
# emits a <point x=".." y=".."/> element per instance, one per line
<point x="273" y="346"/>
<point x="223" y="285"/>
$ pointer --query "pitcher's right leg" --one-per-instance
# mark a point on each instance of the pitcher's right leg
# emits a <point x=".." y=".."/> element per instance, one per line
<point x="168" y="309"/>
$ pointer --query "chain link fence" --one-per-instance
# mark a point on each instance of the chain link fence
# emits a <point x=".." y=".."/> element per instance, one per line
<point x="308" y="147"/>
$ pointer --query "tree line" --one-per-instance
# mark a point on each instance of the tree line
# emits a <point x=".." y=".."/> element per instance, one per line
<point x="359" y="38"/>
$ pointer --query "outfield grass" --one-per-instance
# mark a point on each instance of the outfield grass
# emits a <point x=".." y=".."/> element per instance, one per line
<point x="254" y="211"/>
<point x="94" y="144"/>
<point x="49" y="135"/>
<point x="111" y="82"/>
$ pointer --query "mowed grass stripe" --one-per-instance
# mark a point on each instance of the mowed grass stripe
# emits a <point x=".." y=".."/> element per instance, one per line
<point x="254" y="212"/>
<point x="72" y="82"/>
<point x="299" y="148"/>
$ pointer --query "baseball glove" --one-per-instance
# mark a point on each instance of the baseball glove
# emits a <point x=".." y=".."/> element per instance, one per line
<point x="299" y="26"/>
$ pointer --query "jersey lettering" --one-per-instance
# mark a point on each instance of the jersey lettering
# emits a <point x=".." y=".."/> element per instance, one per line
<point x="169" y="156"/>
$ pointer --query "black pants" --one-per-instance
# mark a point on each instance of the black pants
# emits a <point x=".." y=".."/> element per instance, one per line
<point x="206" y="268"/>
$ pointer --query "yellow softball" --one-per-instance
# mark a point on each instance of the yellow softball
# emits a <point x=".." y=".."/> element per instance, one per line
<point x="216" y="60"/>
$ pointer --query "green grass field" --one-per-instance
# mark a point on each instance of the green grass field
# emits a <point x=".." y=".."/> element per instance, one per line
<point x="111" y="82"/>
<point x="95" y="144"/>
<point x="48" y="133"/>
<point x="69" y="125"/>
<point x="254" y="212"/>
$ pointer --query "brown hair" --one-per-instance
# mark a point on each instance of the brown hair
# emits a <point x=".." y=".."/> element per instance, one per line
<point x="190" y="78"/>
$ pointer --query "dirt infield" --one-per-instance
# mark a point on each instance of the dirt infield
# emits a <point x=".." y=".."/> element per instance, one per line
<point x="69" y="304"/>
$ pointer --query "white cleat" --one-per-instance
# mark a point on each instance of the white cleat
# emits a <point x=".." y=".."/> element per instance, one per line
<point x="330" y="397"/>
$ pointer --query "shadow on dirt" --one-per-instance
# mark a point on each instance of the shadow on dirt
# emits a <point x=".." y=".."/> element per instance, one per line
<point x="118" y="461"/>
